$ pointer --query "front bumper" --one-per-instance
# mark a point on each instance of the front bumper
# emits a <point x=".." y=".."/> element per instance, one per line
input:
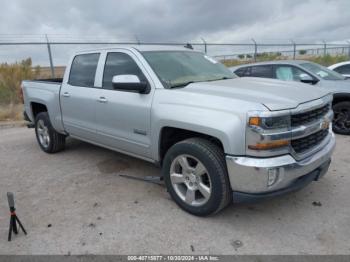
<point x="249" y="177"/>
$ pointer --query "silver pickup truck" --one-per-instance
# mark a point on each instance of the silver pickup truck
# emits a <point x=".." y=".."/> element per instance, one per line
<point x="217" y="138"/>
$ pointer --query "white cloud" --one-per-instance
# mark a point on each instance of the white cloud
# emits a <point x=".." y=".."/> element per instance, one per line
<point x="170" y="21"/>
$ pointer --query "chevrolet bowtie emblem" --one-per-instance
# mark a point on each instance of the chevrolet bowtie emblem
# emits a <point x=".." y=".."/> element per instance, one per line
<point x="325" y="124"/>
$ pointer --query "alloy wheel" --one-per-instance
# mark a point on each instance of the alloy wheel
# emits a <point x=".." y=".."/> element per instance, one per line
<point x="190" y="180"/>
<point x="43" y="134"/>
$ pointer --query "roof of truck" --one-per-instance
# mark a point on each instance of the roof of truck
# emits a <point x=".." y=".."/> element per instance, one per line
<point x="143" y="48"/>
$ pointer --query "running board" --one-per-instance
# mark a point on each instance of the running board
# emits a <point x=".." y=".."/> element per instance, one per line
<point x="150" y="179"/>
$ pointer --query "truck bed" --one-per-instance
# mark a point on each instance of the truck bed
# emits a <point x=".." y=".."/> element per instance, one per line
<point x="48" y="80"/>
<point x="44" y="92"/>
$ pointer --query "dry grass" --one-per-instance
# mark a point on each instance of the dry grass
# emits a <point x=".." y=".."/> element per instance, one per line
<point x="45" y="72"/>
<point x="11" y="76"/>
<point x="11" y="112"/>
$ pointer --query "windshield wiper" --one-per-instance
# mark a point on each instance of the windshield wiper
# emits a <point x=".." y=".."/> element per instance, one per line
<point x="191" y="82"/>
<point x="221" y="78"/>
<point x="182" y="84"/>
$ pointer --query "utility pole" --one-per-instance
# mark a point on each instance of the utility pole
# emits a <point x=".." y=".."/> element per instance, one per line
<point x="205" y="45"/>
<point x="255" y="49"/>
<point x="294" y="49"/>
<point x="137" y="40"/>
<point x="324" y="48"/>
<point x="50" y="57"/>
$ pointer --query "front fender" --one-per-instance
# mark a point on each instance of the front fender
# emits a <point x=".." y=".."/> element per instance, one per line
<point x="223" y="125"/>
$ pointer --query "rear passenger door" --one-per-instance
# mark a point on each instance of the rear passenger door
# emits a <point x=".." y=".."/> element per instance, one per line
<point x="78" y="97"/>
<point x="124" y="117"/>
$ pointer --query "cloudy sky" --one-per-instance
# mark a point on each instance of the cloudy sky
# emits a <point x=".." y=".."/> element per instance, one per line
<point x="226" y="21"/>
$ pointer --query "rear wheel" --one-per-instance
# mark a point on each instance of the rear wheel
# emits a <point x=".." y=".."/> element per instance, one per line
<point x="49" y="140"/>
<point x="341" y="121"/>
<point x="196" y="177"/>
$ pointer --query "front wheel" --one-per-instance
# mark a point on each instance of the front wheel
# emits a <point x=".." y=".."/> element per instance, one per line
<point x="341" y="121"/>
<point x="196" y="177"/>
<point x="49" y="140"/>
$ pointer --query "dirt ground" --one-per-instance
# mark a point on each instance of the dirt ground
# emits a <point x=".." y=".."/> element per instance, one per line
<point x="75" y="202"/>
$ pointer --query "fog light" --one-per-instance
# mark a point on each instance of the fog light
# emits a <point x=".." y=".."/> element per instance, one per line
<point x="272" y="176"/>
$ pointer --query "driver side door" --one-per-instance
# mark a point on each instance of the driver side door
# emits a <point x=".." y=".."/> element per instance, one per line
<point x="124" y="117"/>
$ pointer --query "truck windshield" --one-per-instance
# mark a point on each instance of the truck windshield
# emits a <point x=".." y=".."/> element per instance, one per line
<point x="322" y="71"/>
<point x="180" y="68"/>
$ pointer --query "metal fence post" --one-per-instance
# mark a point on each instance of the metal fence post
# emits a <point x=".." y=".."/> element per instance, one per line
<point x="137" y="40"/>
<point x="50" y="57"/>
<point x="324" y="48"/>
<point x="294" y="49"/>
<point x="255" y="49"/>
<point x="205" y="45"/>
<point x="348" y="48"/>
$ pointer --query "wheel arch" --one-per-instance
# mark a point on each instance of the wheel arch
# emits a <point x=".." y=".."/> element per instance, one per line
<point x="340" y="97"/>
<point x="37" y="108"/>
<point x="168" y="136"/>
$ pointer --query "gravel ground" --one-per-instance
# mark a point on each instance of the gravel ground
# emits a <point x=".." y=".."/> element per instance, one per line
<point x="75" y="202"/>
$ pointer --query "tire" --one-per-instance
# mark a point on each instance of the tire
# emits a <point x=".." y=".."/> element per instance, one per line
<point x="341" y="121"/>
<point x="181" y="182"/>
<point x="48" y="139"/>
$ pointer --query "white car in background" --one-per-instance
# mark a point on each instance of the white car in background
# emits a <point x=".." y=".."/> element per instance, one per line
<point x="342" y="68"/>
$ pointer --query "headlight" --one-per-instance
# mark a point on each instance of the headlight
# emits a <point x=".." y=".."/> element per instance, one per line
<point x="262" y="137"/>
<point x="276" y="122"/>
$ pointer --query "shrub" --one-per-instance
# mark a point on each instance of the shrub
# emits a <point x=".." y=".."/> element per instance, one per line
<point x="11" y="76"/>
<point x="328" y="59"/>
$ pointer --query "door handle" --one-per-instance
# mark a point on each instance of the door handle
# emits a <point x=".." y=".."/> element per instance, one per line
<point x="102" y="99"/>
<point x="66" y="94"/>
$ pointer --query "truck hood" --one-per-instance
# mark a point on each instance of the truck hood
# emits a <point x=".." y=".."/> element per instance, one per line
<point x="273" y="94"/>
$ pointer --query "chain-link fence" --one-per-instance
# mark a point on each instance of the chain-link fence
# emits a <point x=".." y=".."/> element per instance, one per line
<point x="54" y="52"/>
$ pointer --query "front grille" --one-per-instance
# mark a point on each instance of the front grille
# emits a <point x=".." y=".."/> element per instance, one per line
<point x="310" y="116"/>
<point x="305" y="143"/>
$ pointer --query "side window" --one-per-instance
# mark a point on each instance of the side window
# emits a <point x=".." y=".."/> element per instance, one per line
<point x="345" y="69"/>
<point x="83" y="70"/>
<point x="120" y="64"/>
<point x="289" y="73"/>
<point x="241" y="72"/>
<point x="261" y="71"/>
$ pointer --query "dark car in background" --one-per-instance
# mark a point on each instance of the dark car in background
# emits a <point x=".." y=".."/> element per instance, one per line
<point x="309" y="73"/>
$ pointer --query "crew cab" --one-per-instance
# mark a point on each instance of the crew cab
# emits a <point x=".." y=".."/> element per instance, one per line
<point x="218" y="138"/>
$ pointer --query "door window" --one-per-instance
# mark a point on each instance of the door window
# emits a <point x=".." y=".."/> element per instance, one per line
<point x="261" y="71"/>
<point x="83" y="70"/>
<point x="289" y="73"/>
<point x="241" y="72"/>
<point x="345" y="69"/>
<point x="120" y="64"/>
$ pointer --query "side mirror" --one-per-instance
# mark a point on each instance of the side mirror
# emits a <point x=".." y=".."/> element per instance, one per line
<point x="305" y="78"/>
<point x="129" y="83"/>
